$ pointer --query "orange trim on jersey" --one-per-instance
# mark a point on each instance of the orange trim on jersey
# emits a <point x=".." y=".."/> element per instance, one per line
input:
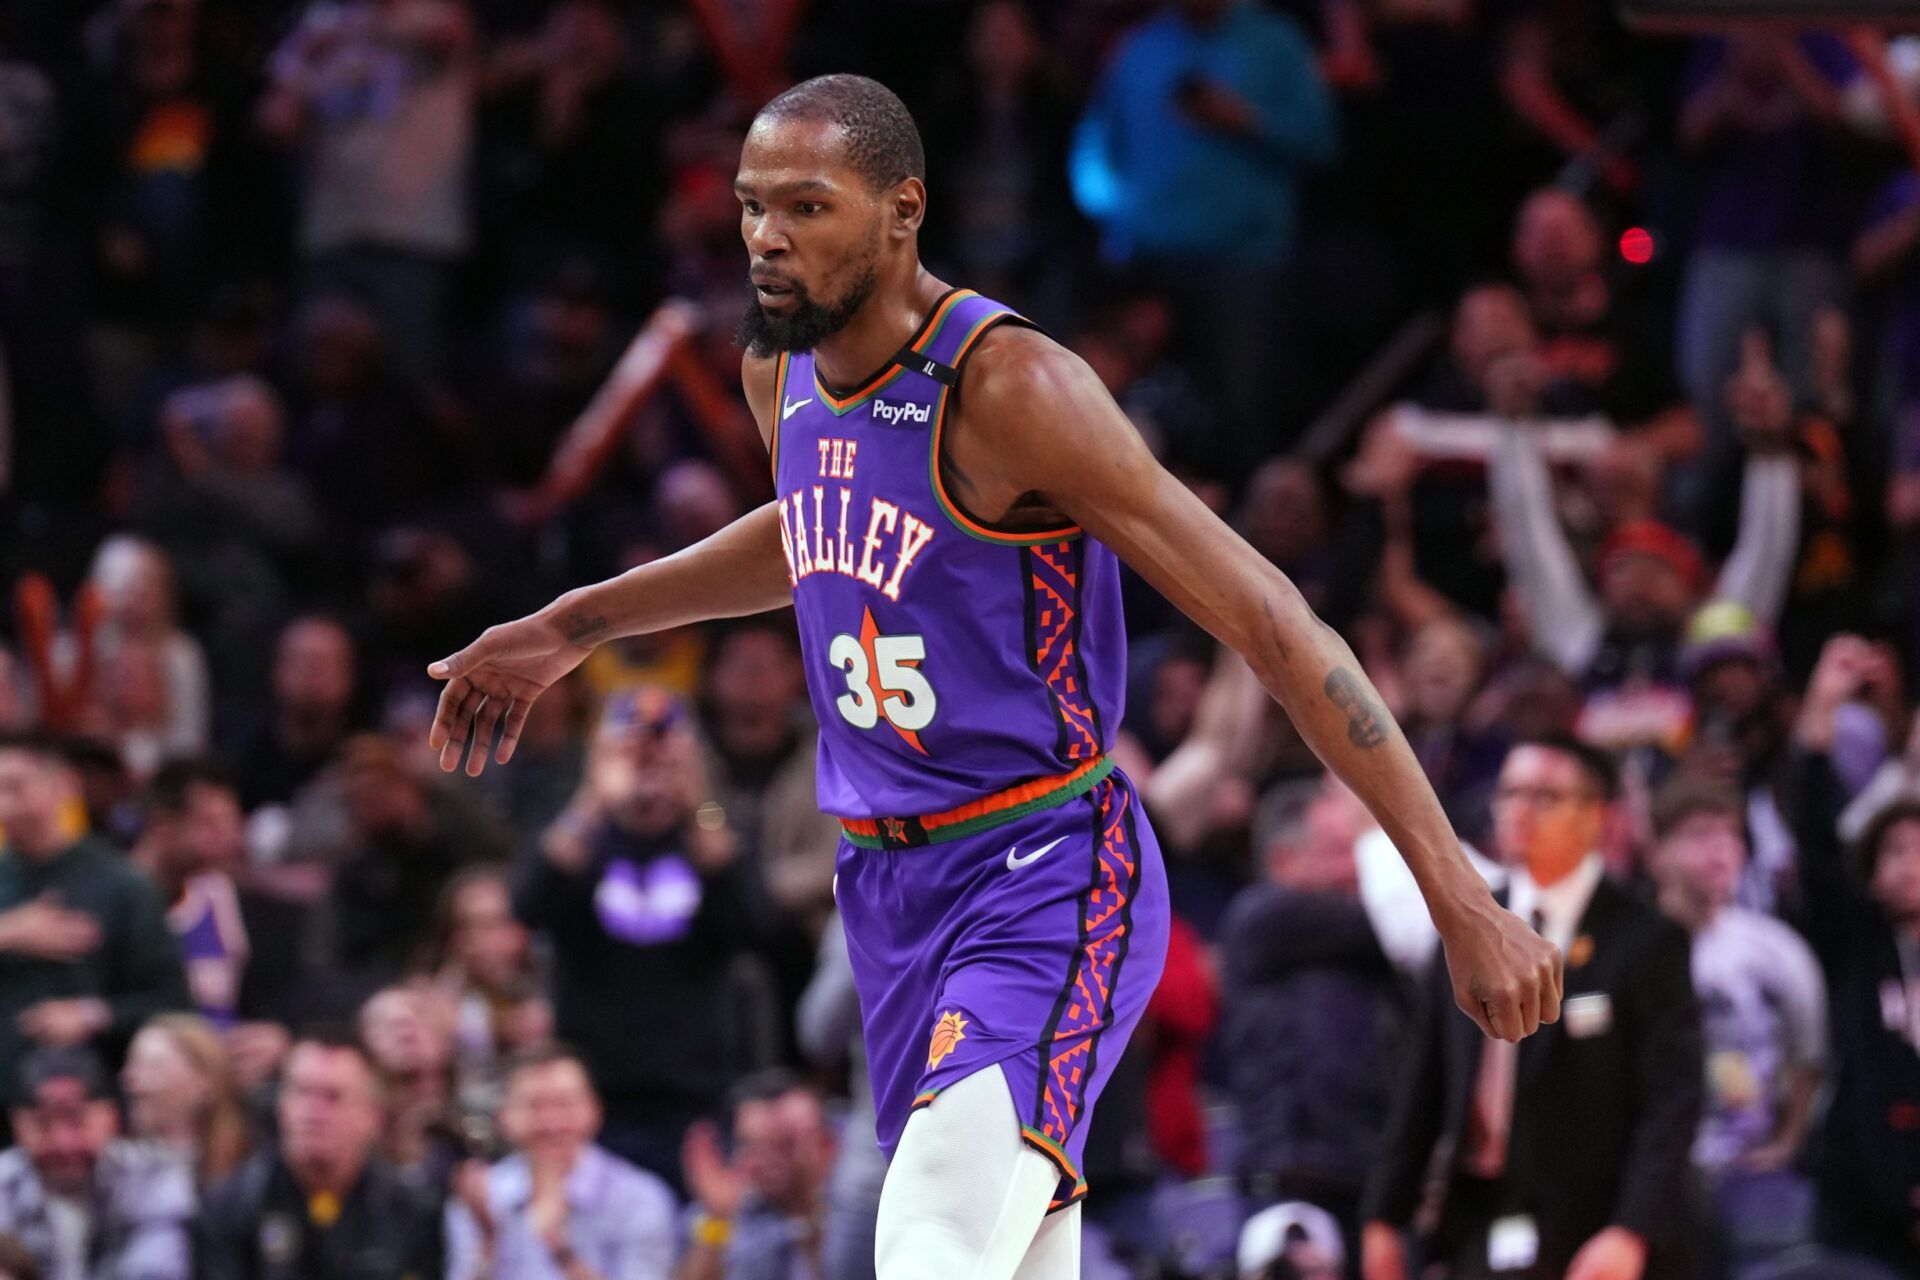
<point x="779" y="407"/>
<point x="1051" y="1150"/>
<point x="954" y="512"/>
<point x="1015" y="799"/>
<point x="840" y="404"/>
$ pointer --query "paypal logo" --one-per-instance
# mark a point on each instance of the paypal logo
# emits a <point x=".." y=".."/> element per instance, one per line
<point x="895" y="415"/>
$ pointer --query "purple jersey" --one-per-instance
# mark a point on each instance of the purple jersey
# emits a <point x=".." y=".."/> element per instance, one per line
<point x="947" y="660"/>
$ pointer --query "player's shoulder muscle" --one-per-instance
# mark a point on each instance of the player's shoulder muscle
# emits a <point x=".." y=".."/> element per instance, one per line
<point x="1021" y="383"/>
<point x="1014" y="367"/>
<point x="757" y="374"/>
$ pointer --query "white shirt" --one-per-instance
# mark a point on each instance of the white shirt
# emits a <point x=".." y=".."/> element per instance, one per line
<point x="72" y="1231"/>
<point x="1560" y="904"/>
<point x="1394" y="904"/>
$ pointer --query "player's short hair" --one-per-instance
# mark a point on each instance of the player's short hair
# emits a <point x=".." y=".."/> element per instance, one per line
<point x="881" y="140"/>
<point x="1602" y="774"/>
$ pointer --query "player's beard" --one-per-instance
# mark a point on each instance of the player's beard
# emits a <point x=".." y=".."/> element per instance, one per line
<point x="812" y="322"/>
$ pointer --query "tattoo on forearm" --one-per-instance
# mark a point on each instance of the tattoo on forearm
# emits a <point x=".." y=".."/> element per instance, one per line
<point x="1366" y="721"/>
<point x="583" y="628"/>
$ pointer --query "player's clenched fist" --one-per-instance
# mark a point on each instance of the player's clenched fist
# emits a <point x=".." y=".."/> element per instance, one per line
<point x="1505" y="976"/>
<point x="499" y="675"/>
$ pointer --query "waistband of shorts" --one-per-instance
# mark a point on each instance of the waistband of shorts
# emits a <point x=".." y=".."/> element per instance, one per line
<point x="983" y="814"/>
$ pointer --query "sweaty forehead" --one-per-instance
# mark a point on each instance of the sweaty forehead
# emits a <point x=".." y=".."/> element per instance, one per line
<point x="793" y="153"/>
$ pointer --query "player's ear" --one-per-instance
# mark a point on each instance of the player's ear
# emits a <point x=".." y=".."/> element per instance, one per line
<point x="909" y="206"/>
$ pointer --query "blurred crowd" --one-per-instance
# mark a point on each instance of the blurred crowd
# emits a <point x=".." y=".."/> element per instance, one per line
<point x="1573" y="373"/>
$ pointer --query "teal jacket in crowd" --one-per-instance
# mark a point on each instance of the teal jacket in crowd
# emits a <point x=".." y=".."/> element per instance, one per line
<point x="1167" y="190"/>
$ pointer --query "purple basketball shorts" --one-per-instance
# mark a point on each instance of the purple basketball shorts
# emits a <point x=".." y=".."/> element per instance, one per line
<point x="1034" y="945"/>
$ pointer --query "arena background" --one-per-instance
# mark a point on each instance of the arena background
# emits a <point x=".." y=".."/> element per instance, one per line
<point x="1572" y="370"/>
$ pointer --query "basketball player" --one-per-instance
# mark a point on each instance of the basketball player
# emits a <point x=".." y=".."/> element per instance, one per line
<point x="955" y="491"/>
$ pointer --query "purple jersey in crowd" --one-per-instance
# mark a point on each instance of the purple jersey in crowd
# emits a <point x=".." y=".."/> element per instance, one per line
<point x="947" y="660"/>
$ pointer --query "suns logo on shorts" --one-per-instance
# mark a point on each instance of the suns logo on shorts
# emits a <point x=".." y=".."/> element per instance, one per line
<point x="948" y="1032"/>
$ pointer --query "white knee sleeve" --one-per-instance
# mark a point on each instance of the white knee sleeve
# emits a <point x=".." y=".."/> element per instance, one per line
<point x="965" y="1197"/>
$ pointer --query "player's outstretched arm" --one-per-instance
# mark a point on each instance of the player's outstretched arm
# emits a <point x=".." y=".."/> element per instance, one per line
<point x="1037" y="423"/>
<point x="736" y="572"/>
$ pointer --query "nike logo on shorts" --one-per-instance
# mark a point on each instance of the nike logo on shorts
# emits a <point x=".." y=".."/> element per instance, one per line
<point x="792" y="407"/>
<point x="1015" y="862"/>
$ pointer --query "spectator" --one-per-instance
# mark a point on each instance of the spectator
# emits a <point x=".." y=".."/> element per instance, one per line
<point x="377" y="98"/>
<point x="408" y="1031"/>
<point x="641" y="892"/>
<point x="559" y="1206"/>
<point x="240" y="524"/>
<point x="754" y="698"/>
<point x="1820" y="428"/>
<point x="1425" y="457"/>
<point x="1441" y="670"/>
<point x="1578" y="1138"/>
<point x="1618" y="355"/>
<point x="1003" y="138"/>
<point x="1762" y="113"/>
<point x="161" y="145"/>
<point x="1862" y="922"/>
<point x="1181" y="1018"/>
<point x="1763" y="1021"/>
<point x="402" y="840"/>
<point x="89" y="957"/>
<point x="181" y="1094"/>
<point x="86" y="1204"/>
<point x="1311" y="1008"/>
<point x="189" y="846"/>
<point x="1189" y="157"/>
<point x="555" y="348"/>
<point x="1623" y="641"/>
<point x="310" y="712"/>
<point x="574" y="135"/>
<point x="168" y="711"/>
<point x="1741" y="719"/>
<point x="361" y="433"/>
<point x="248" y="954"/>
<point x="324" y="1206"/>
<point x="761" y="1215"/>
<point x="482" y="964"/>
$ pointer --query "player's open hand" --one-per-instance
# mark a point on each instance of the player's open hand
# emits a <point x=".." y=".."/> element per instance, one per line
<point x="1505" y="976"/>
<point x="496" y="678"/>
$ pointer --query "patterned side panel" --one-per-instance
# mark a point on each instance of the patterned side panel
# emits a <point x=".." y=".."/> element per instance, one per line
<point x="1053" y="629"/>
<point x="1086" y="1006"/>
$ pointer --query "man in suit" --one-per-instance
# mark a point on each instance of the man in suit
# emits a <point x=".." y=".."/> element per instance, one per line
<point x="1565" y="1156"/>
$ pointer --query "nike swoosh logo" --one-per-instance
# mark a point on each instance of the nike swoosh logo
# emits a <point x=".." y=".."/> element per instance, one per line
<point x="1015" y="862"/>
<point x="793" y="407"/>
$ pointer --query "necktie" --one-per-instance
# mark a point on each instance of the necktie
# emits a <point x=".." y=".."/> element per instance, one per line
<point x="1483" y="1152"/>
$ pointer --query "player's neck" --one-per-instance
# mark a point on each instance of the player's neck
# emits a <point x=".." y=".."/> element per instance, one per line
<point x="879" y="329"/>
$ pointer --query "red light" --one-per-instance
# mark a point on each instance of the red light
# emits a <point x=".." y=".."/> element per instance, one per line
<point x="1636" y="246"/>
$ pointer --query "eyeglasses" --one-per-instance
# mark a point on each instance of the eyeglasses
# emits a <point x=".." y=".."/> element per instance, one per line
<point x="1539" y="797"/>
